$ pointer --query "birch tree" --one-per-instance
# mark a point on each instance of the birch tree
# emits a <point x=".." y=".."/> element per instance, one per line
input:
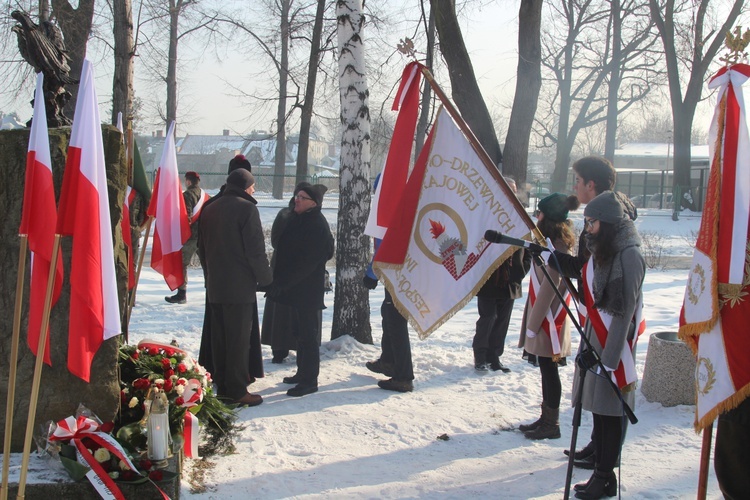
<point x="351" y="314"/>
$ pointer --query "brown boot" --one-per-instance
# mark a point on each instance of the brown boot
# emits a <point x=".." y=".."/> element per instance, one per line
<point x="532" y="425"/>
<point x="550" y="426"/>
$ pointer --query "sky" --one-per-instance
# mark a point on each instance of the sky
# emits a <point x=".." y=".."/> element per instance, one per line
<point x="353" y="440"/>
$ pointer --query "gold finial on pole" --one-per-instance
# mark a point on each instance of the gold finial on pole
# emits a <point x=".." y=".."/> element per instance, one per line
<point x="406" y="47"/>
<point x="736" y="43"/>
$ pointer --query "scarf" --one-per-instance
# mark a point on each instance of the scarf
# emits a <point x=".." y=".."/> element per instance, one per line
<point x="608" y="293"/>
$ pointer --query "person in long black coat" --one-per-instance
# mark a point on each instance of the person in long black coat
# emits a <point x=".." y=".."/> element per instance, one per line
<point x="232" y="250"/>
<point x="304" y="247"/>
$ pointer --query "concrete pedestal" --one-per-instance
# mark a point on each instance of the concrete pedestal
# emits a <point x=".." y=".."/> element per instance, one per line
<point x="669" y="374"/>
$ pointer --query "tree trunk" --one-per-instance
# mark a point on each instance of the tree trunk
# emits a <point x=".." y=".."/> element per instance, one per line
<point x="464" y="88"/>
<point x="279" y="169"/>
<point x="76" y="27"/>
<point x="424" y="114"/>
<point x="351" y="314"/>
<point x="615" y="78"/>
<point x="307" y="106"/>
<point x="528" y="85"/>
<point x="174" y="17"/>
<point x="122" y="80"/>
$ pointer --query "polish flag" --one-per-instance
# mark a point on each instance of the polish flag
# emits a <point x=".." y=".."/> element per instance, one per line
<point x="38" y="221"/>
<point x="84" y="214"/>
<point x="168" y="208"/>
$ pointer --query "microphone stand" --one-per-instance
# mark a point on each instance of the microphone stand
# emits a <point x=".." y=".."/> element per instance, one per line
<point x="536" y="256"/>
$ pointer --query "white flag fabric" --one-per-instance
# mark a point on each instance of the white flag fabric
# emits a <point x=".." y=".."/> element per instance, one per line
<point x="450" y="201"/>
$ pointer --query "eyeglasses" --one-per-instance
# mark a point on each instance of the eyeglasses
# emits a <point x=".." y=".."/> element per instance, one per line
<point x="589" y="222"/>
<point x="299" y="197"/>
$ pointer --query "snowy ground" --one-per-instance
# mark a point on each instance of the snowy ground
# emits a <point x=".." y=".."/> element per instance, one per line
<point x="354" y="440"/>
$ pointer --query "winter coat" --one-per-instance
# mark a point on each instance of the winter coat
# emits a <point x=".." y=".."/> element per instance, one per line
<point x="505" y="282"/>
<point x="625" y="292"/>
<point x="303" y="249"/>
<point x="546" y="299"/>
<point x="232" y="248"/>
<point x="192" y="196"/>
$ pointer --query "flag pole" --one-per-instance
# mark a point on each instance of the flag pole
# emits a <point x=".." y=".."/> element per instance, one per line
<point x="478" y="148"/>
<point x="140" y="266"/>
<point x="13" y="362"/>
<point x="705" y="461"/>
<point x="38" y="371"/>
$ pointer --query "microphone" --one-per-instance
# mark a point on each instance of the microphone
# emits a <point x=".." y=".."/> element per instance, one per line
<point x="496" y="237"/>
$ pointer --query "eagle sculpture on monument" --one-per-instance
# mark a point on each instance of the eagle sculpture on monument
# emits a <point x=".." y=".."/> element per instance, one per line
<point x="43" y="48"/>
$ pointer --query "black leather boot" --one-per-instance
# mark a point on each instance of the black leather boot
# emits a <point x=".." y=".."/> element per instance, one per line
<point x="601" y="484"/>
<point x="532" y="425"/>
<point x="550" y="426"/>
<point x="179" y="298"/>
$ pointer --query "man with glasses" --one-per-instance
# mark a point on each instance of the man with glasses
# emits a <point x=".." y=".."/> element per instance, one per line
<point x="594" y="175"/>
<point x="304" y="247"/>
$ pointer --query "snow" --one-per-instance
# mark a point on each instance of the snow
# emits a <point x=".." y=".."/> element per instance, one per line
<point x="354" y="440"/>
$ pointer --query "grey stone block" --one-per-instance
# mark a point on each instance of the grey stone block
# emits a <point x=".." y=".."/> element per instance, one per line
<point x="669" y="374"/>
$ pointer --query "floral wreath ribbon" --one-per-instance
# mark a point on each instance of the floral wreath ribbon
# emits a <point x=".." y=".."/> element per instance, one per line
<point x="73" y="430"/>
<point x="192" y="396"/>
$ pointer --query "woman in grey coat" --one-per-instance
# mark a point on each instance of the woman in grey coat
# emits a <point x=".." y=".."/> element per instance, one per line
<point x="612" y="282"/>
<point x="545" y="329"/>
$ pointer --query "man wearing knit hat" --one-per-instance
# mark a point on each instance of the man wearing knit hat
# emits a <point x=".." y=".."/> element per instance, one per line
<point x="195" y="198"/>
<point x="232" y="250"/>
<point x="304" y="247"/>
<point x="239" y="161"/>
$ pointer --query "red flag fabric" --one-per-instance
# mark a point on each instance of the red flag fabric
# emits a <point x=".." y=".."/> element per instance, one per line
<point x="716" y="306"/>
<point x="38" y="221"/>
<point x="168" y="208"/>
<point x="84" y="215"/>
<point x="396" y="170"/>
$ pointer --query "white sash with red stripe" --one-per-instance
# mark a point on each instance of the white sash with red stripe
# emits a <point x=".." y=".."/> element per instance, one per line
<point x="625" y="373"/>
<point x="199" y="206"/>
<point x="553" y="322"/>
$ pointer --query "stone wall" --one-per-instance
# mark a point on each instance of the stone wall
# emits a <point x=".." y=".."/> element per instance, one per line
<point x="60" y="392"/>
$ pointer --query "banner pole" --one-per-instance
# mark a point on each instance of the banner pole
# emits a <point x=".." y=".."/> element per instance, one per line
<point x="140" y="266"/>
<point x="12" y="365"/>
<point x="38" y="371"/>
<point x="705" y="461"/>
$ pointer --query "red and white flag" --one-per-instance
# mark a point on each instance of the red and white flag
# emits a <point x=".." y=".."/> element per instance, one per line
<point x="168" y="208"/>
<point x="84" y="215"/>
<point x="38" y="221"/>
<point x="716" y="306"/>
<point x="436" y="259"/>
<point x="396" y="169"/>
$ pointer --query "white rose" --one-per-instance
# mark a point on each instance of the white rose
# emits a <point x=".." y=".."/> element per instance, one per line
<point x="159" y="381"/>
<point x="180" y="389"/>
<point x="114" y="474"/>
<point x="102" y="455"/>
<point x="123" y="465"/>
<point x="133" y="402"/>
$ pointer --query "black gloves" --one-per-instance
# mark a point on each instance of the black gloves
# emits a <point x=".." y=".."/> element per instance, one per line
<point x="370" y="283"/>
<point x="587" y="360"/>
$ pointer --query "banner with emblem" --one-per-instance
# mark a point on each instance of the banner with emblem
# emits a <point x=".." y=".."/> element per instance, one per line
<point x="435" y="260"/>
<point x="713" y="320"/>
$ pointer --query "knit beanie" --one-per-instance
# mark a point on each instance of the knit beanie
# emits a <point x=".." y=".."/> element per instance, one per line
<point x="315" y="192"/>
<point x="555" y="207"/>
<point x="240" y="178"/>
<point x="192" y="176"/>
<point x="605" y="208"/>
<point x="239" y="161"/>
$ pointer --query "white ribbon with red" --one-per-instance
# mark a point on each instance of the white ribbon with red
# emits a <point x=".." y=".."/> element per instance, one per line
<point x="553" y="322"/>
<point x="192" y="396"/>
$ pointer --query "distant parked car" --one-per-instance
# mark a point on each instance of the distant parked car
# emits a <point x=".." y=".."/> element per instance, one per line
<point x="640" y="201"/>
<point x="660" y="200"/>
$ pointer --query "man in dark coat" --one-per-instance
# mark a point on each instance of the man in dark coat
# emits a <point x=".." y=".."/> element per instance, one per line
<point x="303" y="249"/>
<point x="495" y="304"/>
<point x="194" y="198"/>
<point x="232" y="250"/>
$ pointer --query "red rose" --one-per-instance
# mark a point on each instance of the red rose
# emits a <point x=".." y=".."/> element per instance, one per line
<point x="141" y="383"/>
<point x="168" y="373"/>
<point x="145" y="465"/>
<point x="155" y="475"/>
<point x="169" y="352"/>
<point x="123" y="397"/>
<point x="107" y="427"/>
<point x="165" y="363"/>
<point x="153" y="351"/>
<point x="136" y="355"/>
<point x="128" y="475"/>
<point x="181" y="368"/>
<point x="179" y="401"/>
<point x="181" y="381"/>
<point x="167" y="385"/>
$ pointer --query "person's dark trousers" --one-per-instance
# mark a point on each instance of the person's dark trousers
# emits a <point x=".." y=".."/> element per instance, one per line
<point x="395" y="344"/>
<point x="608" y="440"/>
<point x="308" y="352"/>
<point x="551" y="386"/>
<point x="732" y="453"/>
<point x="188" y="251"/>
<point x="492" y="325"/>
<point x="231" y="325"/>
